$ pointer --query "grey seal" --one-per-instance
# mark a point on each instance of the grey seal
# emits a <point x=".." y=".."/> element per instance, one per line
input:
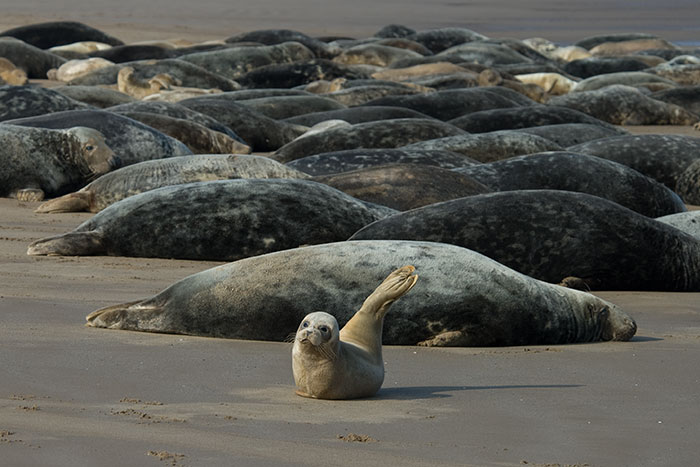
<point x="465" y="299"/>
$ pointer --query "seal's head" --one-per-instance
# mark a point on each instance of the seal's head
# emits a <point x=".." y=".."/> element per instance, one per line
<point x="318" y="333"/>
<point x="94" y="150"/>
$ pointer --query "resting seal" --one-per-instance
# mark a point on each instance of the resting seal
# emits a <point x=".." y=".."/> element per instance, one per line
<point x="347" y="364"/>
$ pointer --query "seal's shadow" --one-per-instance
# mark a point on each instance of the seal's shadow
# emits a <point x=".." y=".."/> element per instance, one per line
<point x="435" y="392"/>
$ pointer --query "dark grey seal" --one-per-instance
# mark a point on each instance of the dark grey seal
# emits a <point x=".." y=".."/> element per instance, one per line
<point x="441" y="39"/>
<point x="404" y="186"/>
<point x="29" y="101"/>
<point x="688" y="184"/>
<point x="551" y="235"/>
<point x="54" y="33"/>
<point x="582" y="173"/>
<point x="523" y="117"/>
<point x="569" y="134"/>
<point x="355" y="159"/>
<point x="284" y="107"/>
<point x="462" y="299"/>
<point x="189" y="74"/>
<point x="36" y="162"/>
<point x="131" y="140"/>
<point x="234" y="62"/>
<point x="489" y="147"/>
<point x="449" y="104"/>
<point x="261" y="133"/>
<point x="149" y="175"/>
<point x="379" y="134"/>
<point x="289" y="75"/>
<point x="354" y="115"/>
<point x="661" y="157"/>
<point x="278" y="36"/>
<point x="217" y="220"/>
<point x="625" y="105"/>
<point x="34" y="61"/>
<point x="687" y="97"/>
<point x="95" y="96"/>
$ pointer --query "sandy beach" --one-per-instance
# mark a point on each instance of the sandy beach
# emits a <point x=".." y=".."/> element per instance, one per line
<point x="77" y="396"/>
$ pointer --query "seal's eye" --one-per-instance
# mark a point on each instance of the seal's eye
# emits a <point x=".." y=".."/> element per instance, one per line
<point x="305" y="324"/>
<point x="323" y="329"/>
<point x="89" y="147"/>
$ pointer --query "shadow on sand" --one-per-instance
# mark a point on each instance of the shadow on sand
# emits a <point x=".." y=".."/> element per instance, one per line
<point x="433" y="392"/>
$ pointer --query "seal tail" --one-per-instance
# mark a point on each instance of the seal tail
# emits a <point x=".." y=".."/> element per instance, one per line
<point x="72" y="202"/>
<point x="68" y="244"/>
<point x="139" y="315"/>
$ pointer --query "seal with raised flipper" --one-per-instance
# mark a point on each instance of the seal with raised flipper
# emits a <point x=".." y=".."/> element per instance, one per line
<point x="329" y="363"/>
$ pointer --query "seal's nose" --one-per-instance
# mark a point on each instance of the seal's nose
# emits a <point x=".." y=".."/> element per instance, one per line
<point x="114" y="162"/>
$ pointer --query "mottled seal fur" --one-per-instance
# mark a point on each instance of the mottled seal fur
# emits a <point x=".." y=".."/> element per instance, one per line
<point x="404" y="186"/>
<point x="94" y="95"/>
<point x="625" y="105"/>
<point x="283" y="107"/>
<point x="189" y="74"/>
<point x="661" y="157"/>
<point x="569" y="134"/>
<point x="333" y="363"/>
<point x="149" y="175"/>
<point x="448" y="104"/>
<point x="131" y="140"/>
<point x="550" y="234"/>
<point x="233" y="62"/>
<point x="354" y="115"/>
<point x="198" y="138"/>
<point x="465" y="299"/>
<point x="688" y="183"/>
<point x="36" y="162"/>
<point x="27" y="101"/>
<point x="489" y="147"/>
<point x="383" y="133"/>
<point x="216" y="220"/>
<point x="355" y="159"/>
<point x="278" y="36"/>
<point x="688" y="222"/>
<point x="261" y="133"/>
<point x="523" y="117"/>
<point x="582" y="173"/>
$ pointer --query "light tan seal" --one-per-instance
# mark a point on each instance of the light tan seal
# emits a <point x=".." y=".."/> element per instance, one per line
<point x="347" y="364"/>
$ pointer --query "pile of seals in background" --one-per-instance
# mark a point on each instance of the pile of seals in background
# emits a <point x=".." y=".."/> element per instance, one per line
<point x="497" y="167"/>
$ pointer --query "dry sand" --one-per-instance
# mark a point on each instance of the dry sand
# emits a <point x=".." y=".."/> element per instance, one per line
<point x="71" y="395"/>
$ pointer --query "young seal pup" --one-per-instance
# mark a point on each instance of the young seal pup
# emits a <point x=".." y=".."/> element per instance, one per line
<point x="347" y="364"/>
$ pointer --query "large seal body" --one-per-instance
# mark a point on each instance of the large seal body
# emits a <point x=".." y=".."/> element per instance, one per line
<point x="465" y="299"/>
<point x="132" y="140"/>
<point x="50" y="162"/>
<point x="552" y="234"/>
<point x="149" y="175"/>
<point x="221" y="220"/>
<point x="560" y="170"/>
<point x="346" y="364"/>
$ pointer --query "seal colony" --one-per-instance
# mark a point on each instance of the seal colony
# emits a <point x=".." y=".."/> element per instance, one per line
<point x="428" y="122"/>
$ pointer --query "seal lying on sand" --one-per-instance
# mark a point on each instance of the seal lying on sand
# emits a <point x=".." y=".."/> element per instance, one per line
<point x="466" y="299"/>
<point x="36" y="162"/>
<point x="552" y="234"/>
<point x="347" y="364"/>
<point x="221" y="220"/>
<point x="149" y="175"/>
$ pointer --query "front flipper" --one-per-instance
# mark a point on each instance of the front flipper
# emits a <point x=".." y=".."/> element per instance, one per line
<point x="394" y="286"/>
